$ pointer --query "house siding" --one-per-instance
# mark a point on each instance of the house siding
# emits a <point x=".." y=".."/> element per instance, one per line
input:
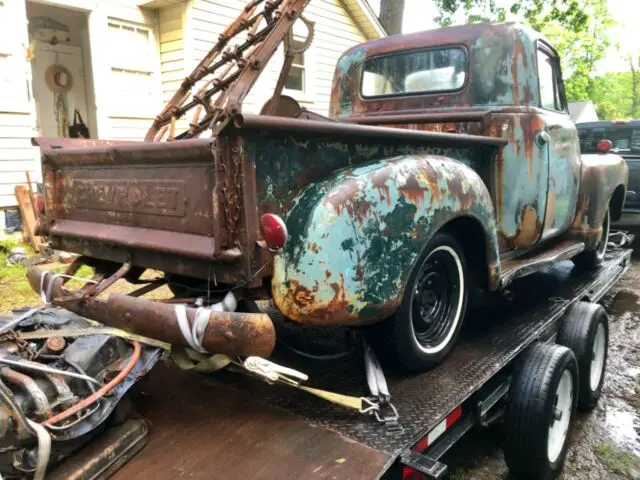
<point x="171" y="37"/>
<point x="17" y="119"/>
<point x="335" y="32"/>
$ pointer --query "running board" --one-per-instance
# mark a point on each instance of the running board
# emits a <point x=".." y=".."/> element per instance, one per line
<point x="519" y="267"/>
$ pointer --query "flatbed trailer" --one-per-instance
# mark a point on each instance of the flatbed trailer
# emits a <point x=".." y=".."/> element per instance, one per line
<point x="231" y="426"/>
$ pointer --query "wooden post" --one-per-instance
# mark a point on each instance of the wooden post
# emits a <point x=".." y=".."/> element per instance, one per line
<point x="28" y="215"/>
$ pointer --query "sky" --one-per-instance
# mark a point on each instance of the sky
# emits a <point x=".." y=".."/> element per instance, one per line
<point x="419" y="15"/>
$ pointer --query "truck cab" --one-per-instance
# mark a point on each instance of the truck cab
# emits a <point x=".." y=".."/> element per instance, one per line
<point x="499" y="80"/>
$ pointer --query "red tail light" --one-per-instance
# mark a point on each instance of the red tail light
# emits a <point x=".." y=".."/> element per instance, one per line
<point x="274" y="231"/>
<point x="604" y="145"/>
<point x="409" y="473"/>
<point x="39" y="206"/>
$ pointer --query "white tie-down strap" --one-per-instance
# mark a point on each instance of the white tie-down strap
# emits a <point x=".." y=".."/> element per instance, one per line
<point x="194" y="335"/>
<point x="46" y="296"/>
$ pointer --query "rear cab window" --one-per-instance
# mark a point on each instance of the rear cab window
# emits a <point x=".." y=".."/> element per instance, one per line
<point x="416" y="72"/>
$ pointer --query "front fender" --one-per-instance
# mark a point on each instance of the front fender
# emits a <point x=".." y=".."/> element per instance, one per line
<point x="354" y="238"/>
<point x="601" y="175"/>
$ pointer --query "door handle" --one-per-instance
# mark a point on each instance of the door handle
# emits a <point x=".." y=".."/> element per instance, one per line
<point x="542" y="138"/>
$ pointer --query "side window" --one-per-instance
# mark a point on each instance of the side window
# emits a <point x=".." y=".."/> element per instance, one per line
<point x="549" y="80"/>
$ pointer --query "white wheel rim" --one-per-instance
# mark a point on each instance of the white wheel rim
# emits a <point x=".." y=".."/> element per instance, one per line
<point x="454" y="324"/>
<point x="597" y="358"/>
<point x="561" y="418"/>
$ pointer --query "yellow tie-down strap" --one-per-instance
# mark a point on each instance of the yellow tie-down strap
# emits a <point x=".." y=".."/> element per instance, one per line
<point x="188" y="359"/>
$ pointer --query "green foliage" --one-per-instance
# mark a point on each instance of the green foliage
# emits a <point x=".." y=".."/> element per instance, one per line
<point x="612" y="95"/>
<point x="618" y="461"/>
<point x="537" y="13"/>
<point x="581" y="50"/>
<point x="577" y="29"/>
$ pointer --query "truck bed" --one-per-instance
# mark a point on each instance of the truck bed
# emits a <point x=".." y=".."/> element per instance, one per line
<point x="230" y="426"/>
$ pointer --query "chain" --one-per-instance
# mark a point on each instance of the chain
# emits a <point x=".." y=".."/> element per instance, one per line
<point x="23" y="345"/>
<point x="233" y="198"/>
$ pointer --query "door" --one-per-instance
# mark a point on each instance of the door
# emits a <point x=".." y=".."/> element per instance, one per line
<point x="560" y="142"/>
<point x="50" y="106"/>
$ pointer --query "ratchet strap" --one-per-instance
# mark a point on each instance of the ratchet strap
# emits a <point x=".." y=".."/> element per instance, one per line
<point x="81" y="332"/>
<point x="188" y="359"/>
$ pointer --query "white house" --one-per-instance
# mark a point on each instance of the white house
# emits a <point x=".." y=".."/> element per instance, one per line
<point x="583" y="111"/>
<point x="119" y="60"/>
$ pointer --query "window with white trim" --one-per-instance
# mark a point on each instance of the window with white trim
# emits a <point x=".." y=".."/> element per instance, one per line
<point x="296" y="79"/>
<point x="134" y="83"/>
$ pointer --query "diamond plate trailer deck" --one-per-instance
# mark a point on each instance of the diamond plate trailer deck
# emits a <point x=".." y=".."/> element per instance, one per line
<point x="228" y="426"/>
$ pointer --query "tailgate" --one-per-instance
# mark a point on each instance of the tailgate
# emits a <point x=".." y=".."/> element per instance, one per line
<point x="204" y="429"/>
<point x="155" y="196"/>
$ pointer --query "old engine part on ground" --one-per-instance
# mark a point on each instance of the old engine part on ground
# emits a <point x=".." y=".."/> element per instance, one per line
<point x="54" y="391"/>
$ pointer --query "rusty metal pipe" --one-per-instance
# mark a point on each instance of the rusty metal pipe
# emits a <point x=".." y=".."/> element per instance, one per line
<point x="234" y="334"/>
<point x="42" y="407"/>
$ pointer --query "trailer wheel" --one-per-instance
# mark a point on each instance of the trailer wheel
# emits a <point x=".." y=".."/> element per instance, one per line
<point x="540" y="411"/>
<point x="425" y="327"/>
<point x="594" y="258"/>
<point x="585" y="330"/>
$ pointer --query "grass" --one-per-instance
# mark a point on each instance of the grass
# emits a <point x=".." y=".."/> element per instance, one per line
<point x="15" y="291"/>
<point x="617" y="460"/>
<point x="461" y="474"/>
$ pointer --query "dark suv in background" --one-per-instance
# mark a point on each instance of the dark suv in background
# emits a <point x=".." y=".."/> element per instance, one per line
<point x="625" y="139"/>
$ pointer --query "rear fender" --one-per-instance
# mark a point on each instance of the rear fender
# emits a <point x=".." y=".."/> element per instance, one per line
<point x="355" y="237"/>
<point x="601" y="175"/>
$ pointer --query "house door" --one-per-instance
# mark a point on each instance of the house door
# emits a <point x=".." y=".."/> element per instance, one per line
<point x="54" y="65"/>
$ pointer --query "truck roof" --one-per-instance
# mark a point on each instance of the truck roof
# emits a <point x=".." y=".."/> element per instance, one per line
<point x="458" y="34"/>
<point x="500" y="62"/>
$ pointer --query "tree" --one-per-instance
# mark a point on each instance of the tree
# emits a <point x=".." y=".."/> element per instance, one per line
<point x="536" y="12"/>
<point x="635" y="81"/>
<point x="578" y="29"/>
<point x="581" y="51"/>
<point x="391" y="14"/>
<point x="611" y="94"/>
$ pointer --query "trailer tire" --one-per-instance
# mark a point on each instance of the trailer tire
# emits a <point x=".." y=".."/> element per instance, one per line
<point x="585" y="330"/>
<point x="425" y="327"/>
<point x="540" y="412"/>
<point x="590" y="259"/>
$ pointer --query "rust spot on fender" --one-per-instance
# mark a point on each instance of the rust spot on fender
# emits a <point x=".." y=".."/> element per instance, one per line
<point x="412" y="190"/>
<point x="300" y="295"/>
<point x="379" y="182"/>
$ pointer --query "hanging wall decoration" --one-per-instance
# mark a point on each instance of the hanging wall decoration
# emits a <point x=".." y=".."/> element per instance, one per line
<point x="60" y="81"/>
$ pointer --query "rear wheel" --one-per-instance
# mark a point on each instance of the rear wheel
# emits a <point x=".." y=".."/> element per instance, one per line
<point x="594" y="258"/>
<point x="425" y="327"/>
<point x="540" y="412"/>
<point x="585" y="330"/>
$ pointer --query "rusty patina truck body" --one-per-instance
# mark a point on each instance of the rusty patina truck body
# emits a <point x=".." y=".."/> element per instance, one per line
<point x="449" y="162"/>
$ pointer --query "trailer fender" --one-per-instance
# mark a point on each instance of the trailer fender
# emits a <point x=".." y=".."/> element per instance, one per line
<point x="603" y="182"/>
<point x="354" y="237"/>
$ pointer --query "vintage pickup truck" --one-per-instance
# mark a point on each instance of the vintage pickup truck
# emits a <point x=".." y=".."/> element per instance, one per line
<point x="448" y="163"/>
